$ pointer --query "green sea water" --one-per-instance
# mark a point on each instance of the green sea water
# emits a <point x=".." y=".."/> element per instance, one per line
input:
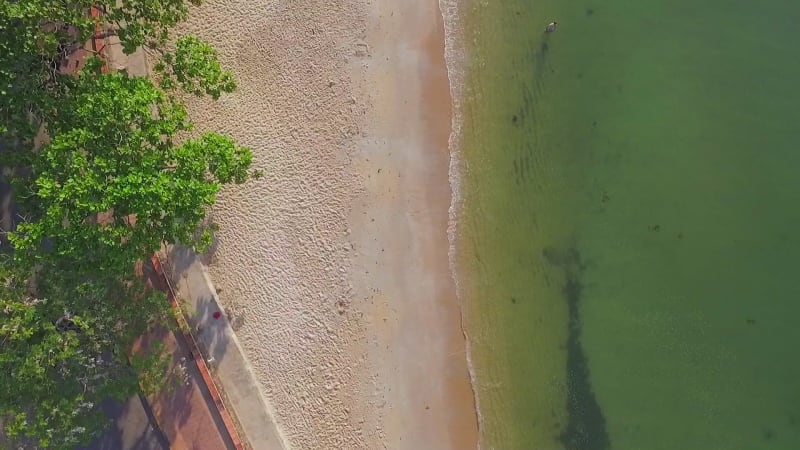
<point x="628" y="241"/>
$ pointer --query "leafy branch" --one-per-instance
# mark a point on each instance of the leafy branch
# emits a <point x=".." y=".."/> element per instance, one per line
<point x="115" y="179"/>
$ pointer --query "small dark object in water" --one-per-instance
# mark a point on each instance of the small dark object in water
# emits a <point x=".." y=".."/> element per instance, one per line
<point x="680" y="235"/>
<point x="551" y="27"/>
<point x="514" y="118"/>
<point x="655" y="227"/>
<point x="751" y="321"/>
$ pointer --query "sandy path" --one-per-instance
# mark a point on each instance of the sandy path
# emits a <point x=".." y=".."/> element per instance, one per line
<point x="334" y="265"/>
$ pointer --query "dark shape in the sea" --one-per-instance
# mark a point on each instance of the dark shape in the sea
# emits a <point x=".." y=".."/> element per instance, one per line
<point x="565" y="258"/>
<point x="589" y="12"/>
<point x="655" y="227"/>
<point x="768" y="434"/>
<point x="586" y="427"/>
<point x="514" y="119"/>
<point x="751" y="321"/>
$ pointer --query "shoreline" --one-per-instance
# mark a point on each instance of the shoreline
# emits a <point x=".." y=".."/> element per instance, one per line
<point x="335" y="267"/>
<point x="411" y="133"/>
<point x="455" y="56"/>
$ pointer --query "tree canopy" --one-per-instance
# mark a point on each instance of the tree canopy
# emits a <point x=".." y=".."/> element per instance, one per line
<point x="66" y="349"/>
<point x="113" y="151"/>
<point x="36" y="35"/>
<point x="116" y="178"/>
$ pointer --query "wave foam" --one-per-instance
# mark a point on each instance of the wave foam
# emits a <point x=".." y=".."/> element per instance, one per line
<point x="455" y="60"/>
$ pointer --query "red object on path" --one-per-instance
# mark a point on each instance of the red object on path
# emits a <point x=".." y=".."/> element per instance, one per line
<point x="217" y="314"/>
<point x="195" y="352"/>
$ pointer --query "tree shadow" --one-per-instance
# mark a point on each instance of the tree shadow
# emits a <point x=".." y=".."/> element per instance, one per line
<point x="132" y="428"/>
<point x="208" y="257"/>
<point x="196" y="391"/>
<point x="179" y="258"/>
<point x="186" y="397"/>
<point x="174" y="400"/>
<point x="8" y="214"/>
<point x="210" y="332"/>
<point x="208" y="325"/>
<point x="189" y="390"/>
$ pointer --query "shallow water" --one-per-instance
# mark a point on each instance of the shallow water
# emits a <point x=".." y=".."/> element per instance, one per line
<point x="627" y="240"/>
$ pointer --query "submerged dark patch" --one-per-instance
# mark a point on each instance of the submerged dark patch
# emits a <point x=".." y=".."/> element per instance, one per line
<point x="563" y="258"/>
<point x="586" y="426"/>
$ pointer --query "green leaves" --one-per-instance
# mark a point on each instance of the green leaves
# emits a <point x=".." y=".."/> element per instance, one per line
<point x="145" y="22"/>
<point x="67" y="351"/>
<point x="195" y="68"/>
<point x="117" y="177"/>
<point x="224" y="160"/>
<point x="112" y="152"/>
<point x="35" y="36"/>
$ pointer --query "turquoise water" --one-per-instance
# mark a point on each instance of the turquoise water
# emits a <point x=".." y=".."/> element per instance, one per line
<point x="629" y="233"/>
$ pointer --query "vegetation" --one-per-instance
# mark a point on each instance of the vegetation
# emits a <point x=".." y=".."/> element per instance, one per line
<point x="116" y="178"/>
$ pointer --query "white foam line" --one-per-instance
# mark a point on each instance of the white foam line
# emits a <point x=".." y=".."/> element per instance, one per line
<point x="455" y="61"/>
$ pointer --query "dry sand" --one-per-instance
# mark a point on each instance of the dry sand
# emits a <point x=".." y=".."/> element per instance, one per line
<point x="335" y="265"/>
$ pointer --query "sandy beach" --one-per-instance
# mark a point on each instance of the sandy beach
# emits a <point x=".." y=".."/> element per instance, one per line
<point x="334" y="266"/>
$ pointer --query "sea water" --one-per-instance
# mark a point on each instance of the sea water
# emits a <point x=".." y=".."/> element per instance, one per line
<point x="627" y="232"/>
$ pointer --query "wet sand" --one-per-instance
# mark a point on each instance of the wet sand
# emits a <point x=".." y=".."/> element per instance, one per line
<point x="405" y="154"/>
<point x="334" y="266"/>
